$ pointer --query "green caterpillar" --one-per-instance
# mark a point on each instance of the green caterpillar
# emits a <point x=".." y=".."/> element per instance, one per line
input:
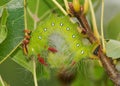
<point x="58" y="42"/>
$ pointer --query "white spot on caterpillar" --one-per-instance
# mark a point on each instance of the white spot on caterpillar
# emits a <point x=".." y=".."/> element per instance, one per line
<point x="67" y="28"/>
<point x="53" y="24"/>
<point x="82" y="52"/>
<point x="45" y="29"/>
<point x="61" y="24"/>
<point x="40" y="37"/>
<point x="77" y="44"/>
<point x="73" y="36"/>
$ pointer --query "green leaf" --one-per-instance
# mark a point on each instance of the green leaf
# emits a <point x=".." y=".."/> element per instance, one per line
<point x="113" y="29"/>
<point x="3" y="2"/>
<point x="3" y="28"/>
<point x="42" y="72"/>
<point x="15" y="25"/>
<point x="3" y="83"/>
<point x="21" y="59"/>
<point x="113" y="49"/>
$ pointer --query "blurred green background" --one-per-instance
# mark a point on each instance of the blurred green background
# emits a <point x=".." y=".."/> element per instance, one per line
<point x="91" y="74"/>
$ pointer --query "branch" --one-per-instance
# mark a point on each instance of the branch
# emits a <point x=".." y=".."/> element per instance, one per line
<point x="109" y="67"/>
<point x="106" y="61"/>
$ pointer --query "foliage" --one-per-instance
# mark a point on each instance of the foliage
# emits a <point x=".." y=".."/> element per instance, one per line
<point x="15" y="18"/>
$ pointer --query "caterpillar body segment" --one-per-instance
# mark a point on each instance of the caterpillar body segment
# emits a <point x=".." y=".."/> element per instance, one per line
<point x="59" y="42"/>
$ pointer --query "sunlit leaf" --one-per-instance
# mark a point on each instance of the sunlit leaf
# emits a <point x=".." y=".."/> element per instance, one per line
<point x="113" y="49"/>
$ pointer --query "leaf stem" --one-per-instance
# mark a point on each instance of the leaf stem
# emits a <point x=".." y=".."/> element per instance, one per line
<point x="66" y="5"/>
<point x="35" y="24"/>
<point x="102" y="32"/>
<point x="60" y="7"/>
<point x="34" y="17"/>
<point x="10" y="53"/>
<point x="25" y="14"/>
<point x="30" y="13"/>
<point x="95" y="29"/>
<point x="34" y="72"/>
<point x="36" y="13"/>
<point x="1" y="80"/>
<point x="37" y="7"/>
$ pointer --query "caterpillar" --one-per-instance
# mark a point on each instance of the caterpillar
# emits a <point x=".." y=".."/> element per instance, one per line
<point x="57" y="42"/>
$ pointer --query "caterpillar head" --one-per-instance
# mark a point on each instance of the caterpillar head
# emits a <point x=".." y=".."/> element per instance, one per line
<point x="58" y="42"/>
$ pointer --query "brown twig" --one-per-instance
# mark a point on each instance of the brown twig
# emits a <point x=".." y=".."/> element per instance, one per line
<point x="106" y="61"/>
<point x="109" y="67"/>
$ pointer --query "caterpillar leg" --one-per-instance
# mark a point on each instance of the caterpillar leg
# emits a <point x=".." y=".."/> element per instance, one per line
<point x="26" y="41"/>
